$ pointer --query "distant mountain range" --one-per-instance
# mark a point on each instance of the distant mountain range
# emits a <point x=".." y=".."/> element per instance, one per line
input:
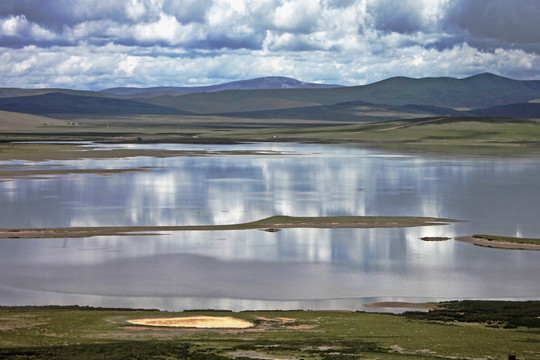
<point x="270" y="82"/>
<point x="282" y="98"/>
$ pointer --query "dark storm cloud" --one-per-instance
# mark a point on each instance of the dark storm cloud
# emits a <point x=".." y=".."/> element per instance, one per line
<point x="51" y="14"/>
<point x="491" y="24"/>
<point x="483" y="24"/>
<point x="500" y="20"/>
<point x="57" y="14"/>
<point x="401" y="16"/>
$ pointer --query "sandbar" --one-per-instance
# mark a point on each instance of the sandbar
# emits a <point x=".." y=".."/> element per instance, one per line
<point x="274" y="222"/>
<point x="479" y="241"/>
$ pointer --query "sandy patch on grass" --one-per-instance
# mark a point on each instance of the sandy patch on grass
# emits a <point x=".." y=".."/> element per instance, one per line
<point x="199" y="322"/>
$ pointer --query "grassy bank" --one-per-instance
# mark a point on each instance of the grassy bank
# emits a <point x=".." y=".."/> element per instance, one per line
<point x="85" y="333"/>
<point x="271" y="224"/>
<point x="477" y="135"/>
<point x="66" y="151"/>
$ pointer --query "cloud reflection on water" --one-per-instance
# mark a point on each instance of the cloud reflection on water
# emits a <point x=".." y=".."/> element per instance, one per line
<point x="253" y="267"/>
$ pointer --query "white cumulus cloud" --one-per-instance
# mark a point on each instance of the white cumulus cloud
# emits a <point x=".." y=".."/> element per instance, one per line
<point x="101" y="43"/>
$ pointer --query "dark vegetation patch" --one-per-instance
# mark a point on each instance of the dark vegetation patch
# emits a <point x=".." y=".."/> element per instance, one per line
<point x="505" y="314"/>
<point x="434" y="238"/>
<point x="113" y="350"/>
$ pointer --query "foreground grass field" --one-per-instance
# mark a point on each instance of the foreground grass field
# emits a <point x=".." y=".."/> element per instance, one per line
<point x="461" y="330"/>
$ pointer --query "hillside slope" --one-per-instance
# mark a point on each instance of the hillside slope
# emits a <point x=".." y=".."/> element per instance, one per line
<point x="480" y="91"/>
<point x="274" y="97"/>
<point x="58" y="103"/>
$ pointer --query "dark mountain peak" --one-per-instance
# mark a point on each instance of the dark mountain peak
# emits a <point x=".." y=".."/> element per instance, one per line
<point x="486" y="75"/>
<point x="487" y="78"/>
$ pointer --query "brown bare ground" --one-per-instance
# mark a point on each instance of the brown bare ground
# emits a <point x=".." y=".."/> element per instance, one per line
<point x="17" y="121"/>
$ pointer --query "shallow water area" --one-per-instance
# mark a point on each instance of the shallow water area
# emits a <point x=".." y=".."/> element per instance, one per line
<point x="253" y="269"/>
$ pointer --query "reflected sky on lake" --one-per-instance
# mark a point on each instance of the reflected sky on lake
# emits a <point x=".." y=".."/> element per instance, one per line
<point x="293" y="268"/>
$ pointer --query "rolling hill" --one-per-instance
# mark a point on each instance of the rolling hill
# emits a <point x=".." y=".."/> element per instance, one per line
<point x="60" y="103"/>
<point x="351" y="111"/>
<point x="18" y="121"/>
<point x="526" y="110"/>
<point x="285" y="98"/>
<point x="479" y="91"/>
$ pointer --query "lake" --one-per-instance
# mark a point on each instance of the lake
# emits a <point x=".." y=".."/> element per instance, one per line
<point x="256" y="270"/>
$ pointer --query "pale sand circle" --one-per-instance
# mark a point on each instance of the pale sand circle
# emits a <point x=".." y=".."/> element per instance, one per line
<point x="200" y="322"/>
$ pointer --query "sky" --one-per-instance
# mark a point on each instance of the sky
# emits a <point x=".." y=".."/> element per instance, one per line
<point x="96" y="44"/>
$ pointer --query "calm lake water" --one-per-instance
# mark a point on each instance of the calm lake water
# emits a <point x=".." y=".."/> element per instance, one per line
<point x="290" y="269"/>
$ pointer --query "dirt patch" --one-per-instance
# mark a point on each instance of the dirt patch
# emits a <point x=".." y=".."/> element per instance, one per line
<point x="259" y="355"/>
<point x="301" y="327"/>
<point x="20" y="322"/>
<point x="285" y="320"/>
<point x="198" y="322"/>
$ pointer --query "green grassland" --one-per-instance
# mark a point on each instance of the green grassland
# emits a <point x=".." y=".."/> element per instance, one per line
<point x="454" y="331"/>
<point x="441" y="134"/>
<point x="483" y="135"/>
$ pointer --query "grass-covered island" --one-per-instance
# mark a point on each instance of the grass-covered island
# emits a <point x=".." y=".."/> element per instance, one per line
<point x="453" y="330"/>
<point x="502" y="242"/>
<point x="271" y="224"/>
